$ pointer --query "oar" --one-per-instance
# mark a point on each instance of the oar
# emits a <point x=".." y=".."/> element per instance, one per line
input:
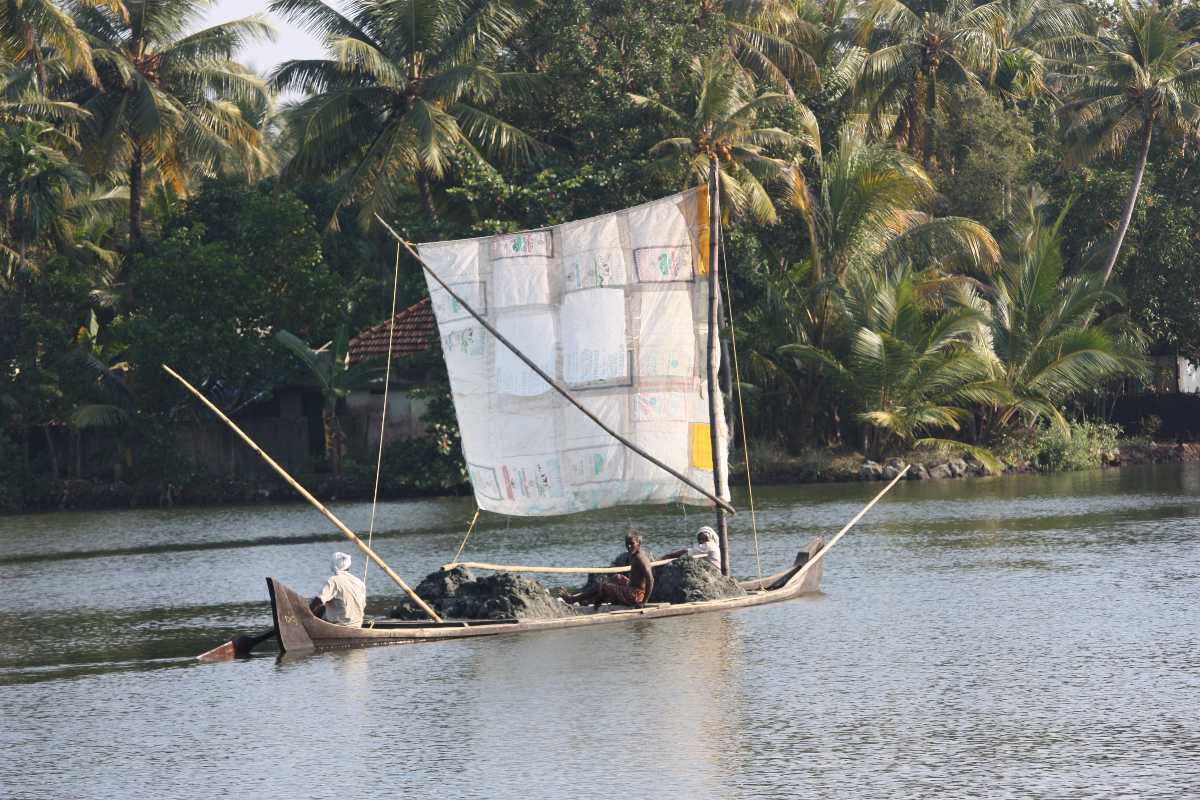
<point x="238" y="647"/>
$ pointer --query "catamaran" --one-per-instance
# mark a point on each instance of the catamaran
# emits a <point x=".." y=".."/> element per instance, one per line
<point x="583" y="361"/>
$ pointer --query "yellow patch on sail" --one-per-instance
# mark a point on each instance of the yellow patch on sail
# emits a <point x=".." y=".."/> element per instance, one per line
<point x="702" y="233"/>
<point x="700" y="445"/>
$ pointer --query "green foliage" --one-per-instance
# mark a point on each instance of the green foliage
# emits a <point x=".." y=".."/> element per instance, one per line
<point x="1142" y="78"/>
<point x="239" y="265"/>
<point x="919" y="49"/>
<point x="910" y="369"/>
<point x="722" y="121"/>
<point x="1051" y="448"/>
<point x="1047" y="349"/>
<point x="983" y="157"/>
<point x="403" y="95"/>
<point x="169" y="99"/>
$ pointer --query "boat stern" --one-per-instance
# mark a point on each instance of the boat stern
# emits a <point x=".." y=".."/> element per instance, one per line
<point x="289" y="610"/>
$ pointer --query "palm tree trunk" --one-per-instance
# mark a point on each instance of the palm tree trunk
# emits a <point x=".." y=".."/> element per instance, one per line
<point x="135" y="194"/>
<point x="930" y="127"/>
<point x="426" y="192"/>
<point x="914" y="123"/>
<point x="1131" y="201"/>
<point x="51" y="451"/>
<point x="39" y="63"/>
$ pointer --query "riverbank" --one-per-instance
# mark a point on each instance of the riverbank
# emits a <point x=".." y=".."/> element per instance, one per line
<point x="830" y="466"/>
<point x="767" y="468"/>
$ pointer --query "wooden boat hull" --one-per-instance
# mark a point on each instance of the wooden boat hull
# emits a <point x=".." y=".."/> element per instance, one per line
<point x="300" y="631"/>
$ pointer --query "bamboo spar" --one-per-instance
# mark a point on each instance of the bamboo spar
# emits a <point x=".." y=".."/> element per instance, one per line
<point x="554" y="384"/>
<point x="546" y="570"/>
<point x="349" y="534"/>
<point x="799" y="576"/>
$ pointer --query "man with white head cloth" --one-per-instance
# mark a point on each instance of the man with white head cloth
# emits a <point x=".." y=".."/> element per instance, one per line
<point x="343" y="597"/>
<point x="706" y="547"/>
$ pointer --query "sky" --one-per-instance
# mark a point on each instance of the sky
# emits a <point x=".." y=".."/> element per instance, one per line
<point x="290" y="41"/>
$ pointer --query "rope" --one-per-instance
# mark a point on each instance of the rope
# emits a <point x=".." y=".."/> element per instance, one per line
<point x="737" y="377"/>
<point x="387" y="377"/>
<point x="470" y="528"/>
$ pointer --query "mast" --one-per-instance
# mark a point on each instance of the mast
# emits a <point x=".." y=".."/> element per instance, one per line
<point x="715" y="415"/>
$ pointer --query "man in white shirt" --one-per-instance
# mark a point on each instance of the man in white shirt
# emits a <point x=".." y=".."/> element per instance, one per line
<point x="343" y="597"/>
<point x="706" y="547"/>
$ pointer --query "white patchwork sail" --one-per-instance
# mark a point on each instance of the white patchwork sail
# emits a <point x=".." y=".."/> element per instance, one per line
<point x="615" y="308"/>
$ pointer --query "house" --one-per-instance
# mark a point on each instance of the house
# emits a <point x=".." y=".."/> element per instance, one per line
<point x="1171" y="373"/>
<point x="414" y="341"/>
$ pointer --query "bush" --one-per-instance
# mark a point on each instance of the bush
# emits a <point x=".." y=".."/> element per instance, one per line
<point x="1085" y="445"/>
<point x="12" y="475"/>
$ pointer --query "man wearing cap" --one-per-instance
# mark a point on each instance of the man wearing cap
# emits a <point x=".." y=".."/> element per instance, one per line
<point x="706" y="547"/>
<point x="343" y="597"/>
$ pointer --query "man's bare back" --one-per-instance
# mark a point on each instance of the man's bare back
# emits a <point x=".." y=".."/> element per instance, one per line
<point x="633" y="589"/>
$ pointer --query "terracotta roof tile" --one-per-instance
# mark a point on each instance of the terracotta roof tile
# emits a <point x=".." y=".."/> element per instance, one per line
<point x="415" y="332"/>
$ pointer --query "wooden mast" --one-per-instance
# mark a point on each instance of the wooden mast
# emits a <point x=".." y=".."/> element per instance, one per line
<point x="715" y="412"/>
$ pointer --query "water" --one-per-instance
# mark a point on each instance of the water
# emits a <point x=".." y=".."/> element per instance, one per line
<point x="1011" y="637"/>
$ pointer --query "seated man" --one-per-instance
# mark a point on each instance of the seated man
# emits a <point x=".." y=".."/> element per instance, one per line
<point x="706" y="547"/>
<point x="624" y="590"/>
<point x="343" y="597"/>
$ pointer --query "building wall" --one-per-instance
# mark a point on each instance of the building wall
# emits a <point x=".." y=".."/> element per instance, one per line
<point x="364" y="413"/>
<point x="1189" y="376"/>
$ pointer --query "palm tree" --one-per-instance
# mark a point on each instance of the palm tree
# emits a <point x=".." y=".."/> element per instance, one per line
<point x="1031" y="35"/>
<point x="402" y="95"/>
<point x="771" y="40"/>
<point x="169" y="102"/>
<point x="1144" y="76"/>
<point x="863" y="214"/>
<point x="910" y="368"/>
<point x="721" y="122"/>
<point x="29" y="27"/>
<point x="861" y="203"/>
<point x="37" y="184"/>
<point x="1046" y="351"/>
<point x="915" y="55"/>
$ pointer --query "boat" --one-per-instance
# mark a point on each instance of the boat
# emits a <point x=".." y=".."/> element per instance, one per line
<point x="299" y="631"/>
<point x="583" y="361"/>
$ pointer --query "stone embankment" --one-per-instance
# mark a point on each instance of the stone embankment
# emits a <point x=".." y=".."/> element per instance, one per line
<point x="934" y="470"/>
<point x="947" y="468"/>
<point x="1155" y="453"/>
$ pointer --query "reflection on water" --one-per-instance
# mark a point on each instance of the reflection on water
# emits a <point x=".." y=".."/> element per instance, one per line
<point x="1016" y="637"/>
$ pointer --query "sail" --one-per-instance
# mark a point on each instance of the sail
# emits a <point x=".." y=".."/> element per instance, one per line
<point x="615" y="308"/>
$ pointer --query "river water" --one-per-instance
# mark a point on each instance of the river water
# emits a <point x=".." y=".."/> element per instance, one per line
<point x="1006" y="637"/>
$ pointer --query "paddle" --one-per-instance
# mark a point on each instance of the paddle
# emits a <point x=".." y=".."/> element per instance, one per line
<point x="238" y="647"/>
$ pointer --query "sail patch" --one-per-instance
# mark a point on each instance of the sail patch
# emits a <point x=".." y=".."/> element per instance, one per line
<point x="592" y="323"/>
<point x="533" y="333"/>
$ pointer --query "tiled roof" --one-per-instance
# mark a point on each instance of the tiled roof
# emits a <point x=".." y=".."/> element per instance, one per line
<point x="415" y="332"/>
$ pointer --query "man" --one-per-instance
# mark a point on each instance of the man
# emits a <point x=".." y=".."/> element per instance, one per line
<point x="633" y="589"/>
<point x="706" y="547"/>
<point x="343" y="597"/>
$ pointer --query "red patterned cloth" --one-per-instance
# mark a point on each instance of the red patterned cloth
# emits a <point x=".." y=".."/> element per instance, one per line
<point x="618" y="590"/>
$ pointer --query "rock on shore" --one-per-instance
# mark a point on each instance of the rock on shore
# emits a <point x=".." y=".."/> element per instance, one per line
<point x="688" y="580"/>
<point x="457" y="594"/>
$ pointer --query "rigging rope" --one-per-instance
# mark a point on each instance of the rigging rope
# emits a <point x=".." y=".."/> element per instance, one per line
<point x="387" y="377"/>
<point x="470" y="528"/>
<point x="737" y="377"/>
